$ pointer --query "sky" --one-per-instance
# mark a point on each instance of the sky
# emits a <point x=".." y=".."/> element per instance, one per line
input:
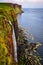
<point x="27" y="3"/>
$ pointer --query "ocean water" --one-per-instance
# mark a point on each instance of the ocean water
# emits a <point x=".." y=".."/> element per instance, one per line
<point x="32" y="19"/>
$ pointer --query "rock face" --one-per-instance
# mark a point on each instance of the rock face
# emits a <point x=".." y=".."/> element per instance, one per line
<point x="9" y="11"/>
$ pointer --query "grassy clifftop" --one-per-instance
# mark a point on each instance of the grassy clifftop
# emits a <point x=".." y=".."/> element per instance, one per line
<point x="6" y="8"/>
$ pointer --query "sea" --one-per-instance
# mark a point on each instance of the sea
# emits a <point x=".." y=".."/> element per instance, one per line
<point x="32" y="20"/>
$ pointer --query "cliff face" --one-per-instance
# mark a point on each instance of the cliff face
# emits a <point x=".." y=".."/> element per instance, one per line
<point x="8" y="12"/>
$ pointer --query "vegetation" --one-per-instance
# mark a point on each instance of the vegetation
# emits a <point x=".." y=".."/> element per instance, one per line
<point x="5" y="57"/>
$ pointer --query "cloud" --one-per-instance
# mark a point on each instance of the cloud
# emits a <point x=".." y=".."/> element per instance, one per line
<point x="26" y="3"/>
<point x="19" y="1"/>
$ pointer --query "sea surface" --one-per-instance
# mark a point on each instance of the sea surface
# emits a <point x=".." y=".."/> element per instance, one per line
<point x="32" y="19"/>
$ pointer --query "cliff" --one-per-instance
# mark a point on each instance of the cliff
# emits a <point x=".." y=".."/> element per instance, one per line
<point x="9" y="11"/>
